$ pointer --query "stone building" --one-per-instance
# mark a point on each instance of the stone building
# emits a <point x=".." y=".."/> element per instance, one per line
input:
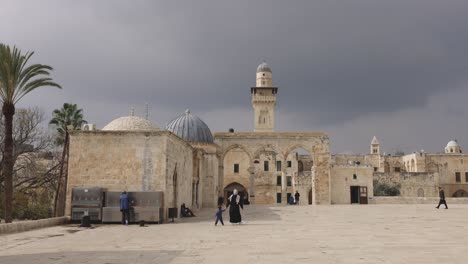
<point x="192" y="166"/>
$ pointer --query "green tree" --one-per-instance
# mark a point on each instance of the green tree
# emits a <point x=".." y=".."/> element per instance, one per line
<point x="69" y="117"/>
<point x="16" y="80"/>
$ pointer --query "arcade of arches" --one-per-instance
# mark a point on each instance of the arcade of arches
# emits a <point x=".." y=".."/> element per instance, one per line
<point x="270" y="167"/>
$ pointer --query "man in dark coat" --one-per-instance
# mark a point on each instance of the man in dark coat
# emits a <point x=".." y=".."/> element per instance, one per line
<point x="235" y="201"/>
<point x="296" y="196"/>
<point x="124" y="208"/>
<point x="442" y="199"/>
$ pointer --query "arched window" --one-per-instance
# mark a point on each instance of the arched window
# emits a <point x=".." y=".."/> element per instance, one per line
<point x="300" y="166"/>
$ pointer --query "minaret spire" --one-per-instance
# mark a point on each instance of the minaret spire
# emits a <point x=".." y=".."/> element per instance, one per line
<point x="264" y="99"/>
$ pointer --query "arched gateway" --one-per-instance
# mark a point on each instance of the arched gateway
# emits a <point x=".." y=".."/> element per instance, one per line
<point x="240" y="188"/>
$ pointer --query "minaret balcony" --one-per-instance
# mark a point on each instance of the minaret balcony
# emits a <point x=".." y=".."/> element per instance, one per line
<point x="263" y="98"/>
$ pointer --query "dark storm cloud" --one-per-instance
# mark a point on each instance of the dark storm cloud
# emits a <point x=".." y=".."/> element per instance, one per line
<point x="334" y="61"/>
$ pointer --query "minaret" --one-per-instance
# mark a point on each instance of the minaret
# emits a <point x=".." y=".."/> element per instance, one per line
<point x="375" y="146"/>
<point x="264" y="100"/>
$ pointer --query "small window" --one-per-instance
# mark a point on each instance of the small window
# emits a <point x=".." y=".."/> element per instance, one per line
<point x="376" y="168"/>
<point x="278" y="198"/>
<point x="265" y="166"/>
<point x="236" y="168"/>
<point x="354" y="176"/>
<point x="263" y="74"/>
<point x="278" y="180"/>
<point x="466" y="176"/>
<point x="374" y="151"/>
<point x="397" y="169"/>
<point x="256" y="161"/>
<point x="278" y="165"/>
<point x="457" y="177"/>
<point x="289" y="164"/>
<point x="288" y="180"/>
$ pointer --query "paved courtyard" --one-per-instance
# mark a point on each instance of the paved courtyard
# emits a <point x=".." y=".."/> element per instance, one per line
<point x="293" y="234"/>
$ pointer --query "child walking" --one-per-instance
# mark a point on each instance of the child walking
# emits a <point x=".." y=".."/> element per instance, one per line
<point x="219" y="216"/>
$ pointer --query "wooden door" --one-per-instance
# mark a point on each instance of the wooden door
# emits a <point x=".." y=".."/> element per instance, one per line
<point x="363" y="194"/>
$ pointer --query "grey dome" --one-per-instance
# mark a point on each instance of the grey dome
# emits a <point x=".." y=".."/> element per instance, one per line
<point x="263" y="67"/>
<point x="190" y="128"/>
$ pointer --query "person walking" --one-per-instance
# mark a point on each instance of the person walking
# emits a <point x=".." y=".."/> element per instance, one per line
<point x="219" y="216"/>
<point x="442" y="198"/>
<point x="236" y="203"/>
<point x="296" y="196"/>
<point x="124" y="208"/>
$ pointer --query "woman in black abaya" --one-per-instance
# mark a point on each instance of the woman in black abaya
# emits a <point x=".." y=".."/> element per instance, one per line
<point x="235" y="201"/>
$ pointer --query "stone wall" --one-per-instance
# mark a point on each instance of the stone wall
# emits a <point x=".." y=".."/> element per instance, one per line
<point x="23" y="226"/>
<point x="132" y="161"/>
<point x="179" y="163"/>
<point x="342" y="179"/>
<point x="415" y="200"/>
<point x="209" y="169"/>
<point x="413" y="184"/>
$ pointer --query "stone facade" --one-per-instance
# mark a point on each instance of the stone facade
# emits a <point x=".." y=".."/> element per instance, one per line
<point x="344" y="177"/>
<point x="259" y="156"/>
<point x="132" y="161"/>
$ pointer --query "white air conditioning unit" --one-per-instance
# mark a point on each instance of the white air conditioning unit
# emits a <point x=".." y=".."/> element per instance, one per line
<point x="88" y="127"/>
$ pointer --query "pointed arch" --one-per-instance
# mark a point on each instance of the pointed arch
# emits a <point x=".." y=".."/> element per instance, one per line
<point x="294" y="147"/>
<point x="460" y="193"/>
<point x="235" y="146"/>
<point x="228" y="189"/>
<point x="263" y="148"/>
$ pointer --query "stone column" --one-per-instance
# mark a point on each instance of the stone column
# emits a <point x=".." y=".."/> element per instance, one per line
<point x="322" y="187"/>
<point x="283" y="183"/>
<point x="251" y="171"/>
<point x="220" y="184"/>
<point x="196" y="194"/>
<point x="313" y="185"/>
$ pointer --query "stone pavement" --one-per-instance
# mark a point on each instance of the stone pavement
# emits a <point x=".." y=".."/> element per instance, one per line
<point x="292" y="234"/>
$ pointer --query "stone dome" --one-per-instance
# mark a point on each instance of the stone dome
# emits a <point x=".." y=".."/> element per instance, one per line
<point x="452" y="143"/>
<point x="130" y="123"/>
<point x="263" y="67"/>
<point x="190" y="128"/>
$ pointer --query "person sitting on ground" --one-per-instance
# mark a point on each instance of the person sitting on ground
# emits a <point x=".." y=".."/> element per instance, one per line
<point x="291" y="200"/>
<point x="185" y="211"/>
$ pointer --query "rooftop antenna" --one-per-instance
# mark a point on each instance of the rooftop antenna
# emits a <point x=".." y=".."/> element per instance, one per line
<point x="147" y="111"/>
<point x="132" y="111"/>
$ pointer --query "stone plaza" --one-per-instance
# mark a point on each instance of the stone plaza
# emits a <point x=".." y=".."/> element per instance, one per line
<point x="414" y="233"/>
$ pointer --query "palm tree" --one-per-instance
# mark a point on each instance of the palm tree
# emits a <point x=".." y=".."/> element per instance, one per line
<point x="16" y="80"/>
<point x="69" y="117"/>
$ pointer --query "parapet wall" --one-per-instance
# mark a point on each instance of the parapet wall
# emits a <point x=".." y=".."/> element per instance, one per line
<point x="32" y="224"/>
<point x="414" y="200"/>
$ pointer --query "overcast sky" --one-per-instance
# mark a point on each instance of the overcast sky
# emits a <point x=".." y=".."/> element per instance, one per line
<point x="354" y="69"/>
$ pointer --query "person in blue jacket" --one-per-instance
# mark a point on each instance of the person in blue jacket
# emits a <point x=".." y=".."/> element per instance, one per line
<point x="124" y="208"/>
<point x="219" y="216"/>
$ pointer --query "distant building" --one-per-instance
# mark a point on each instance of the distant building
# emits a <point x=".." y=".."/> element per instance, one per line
<point x="192" y="166"/>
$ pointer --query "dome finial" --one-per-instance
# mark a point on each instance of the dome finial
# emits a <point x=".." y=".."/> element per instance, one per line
<point x="187" y="111"/>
